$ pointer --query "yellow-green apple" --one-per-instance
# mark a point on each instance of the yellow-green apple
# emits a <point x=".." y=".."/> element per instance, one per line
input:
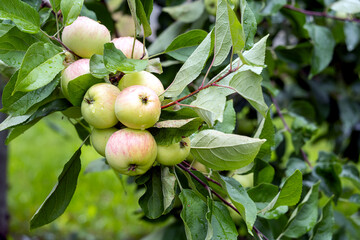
<point x="86" y="37"/>
<point x="74" y="70"/>
<point x="130" y="151"/>
<point x="172" y="154"/>
<point x="98" y="105"/>
<point x="137" y="107"/>
<point x="125" y="44"/>
<point x="246" y="180"/>
<point x="142" y="78"/>
<point x="99" y="138"/>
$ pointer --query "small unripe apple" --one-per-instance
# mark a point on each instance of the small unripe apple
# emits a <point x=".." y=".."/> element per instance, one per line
<point x="99" y="138"/>
<point x="74" y="70"/>
<point x="170" y="155"/>
<point x="138" y="107"/>
<point x="86" y="37"/>
<point x="245" y="180"/>
<point x="98" y="106"/>
<point x="125" y="44"/>
<point x="130" y="151"/>
<point x="142" y="78"/>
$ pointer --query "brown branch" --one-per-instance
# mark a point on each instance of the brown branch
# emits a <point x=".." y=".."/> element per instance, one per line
<point x="207" y="178"/>
<point x="218" y="195"/>
<point x="199" y="89"/>
<point x="320" y="14"/>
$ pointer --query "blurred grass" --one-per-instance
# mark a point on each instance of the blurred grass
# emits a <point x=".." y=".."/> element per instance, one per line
<point x="100" y="209"/>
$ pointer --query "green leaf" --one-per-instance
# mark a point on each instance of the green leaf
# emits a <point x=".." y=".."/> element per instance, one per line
<point x="263" y="194"/>
<point x="346" y="6"/>
<point x="97" y="66"/>
<point x="248" y="85"/>
<point x="154" y="66"/>
<point x="323" y="228"/>
<point x="70" y="10"/>
<point x="248" y="21"/>
<point x="172" y="131"/>
<point x="97" y="165"/>
<point x="4" y="28"/>
<point x="324" y="44"/>
<point x="55" y="4"/>
<point x="115" y="60"/>
<point x="328" y="169"/>
<point x="133" y="11"/>
<point x="241" y="200"/>
<point x="143" y="17"/>
<point x="12" y="121"/>
<point x="210" y="105"/>
<point x="78" y="87"/>
<point x="188" y="39"/>
<point x="168" y="181"/>
<point x="183" y="113"/>
<point x="273" y="6"/>
<point x="152" y="202"/>
<point x="304" y="217"/>
<point x="20" y="102"/>
<point x="23" y="15"/>
<point x="14" y="44"/>
<point x="229" y="119"/>
<point x="351" y="173"/>
<point x="263" y="172"/>
<point x="222" y="151"/>
<point x="41" y="63"/>
<point x="223" y="41"/>
<point x="60" y="197"/>
<point x="237" y="31"/>
<point x="352" y="35"/>
<point x="191" y="68"/>
<point x="222" y="224"/>
<point x="187" y="12"/>
<point x="193" y="215"/>
<point x="266" y="130"/>
<point x="289" y="194"/>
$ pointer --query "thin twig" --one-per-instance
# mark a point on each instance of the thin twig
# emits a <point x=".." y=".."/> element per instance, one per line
<point x="207" y="178"/>
<point x="199" y="89"/>
<point x="306" y="159"/>
<point x="207" y="72"/>
<point x="59" y="41"/>
<point x="217" y="195"/>
<point x="320" y="14"/>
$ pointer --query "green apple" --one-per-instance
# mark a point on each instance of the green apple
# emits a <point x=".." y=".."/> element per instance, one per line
<point x="170" y="155"/>
<point x="98" y="105"/>
<point x="211" y="6"/>
<point x="138" y="107"/>
<point x="86" y="37"/>
<point x="99" y="138"/>
<point x="125" y="44"/>
<point x="130" y="151"/>
<point x="74" y="70"/>
<point x="142" y="78"/>
<point x="246" y="180"/>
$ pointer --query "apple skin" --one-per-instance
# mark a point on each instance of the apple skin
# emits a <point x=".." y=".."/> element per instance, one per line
<point x="138" y="107"/>
<point x="245" y="180"/>
<point x="130" y="151"/>
<point x="125" y="44"/>
<point x="99" y="138"/>
<point x="86" y="37"/>
<point x="74" y="70"/>
<point x="142" y="78"/>
<point x="98" y="105"/>
<point x="170" y="155"/>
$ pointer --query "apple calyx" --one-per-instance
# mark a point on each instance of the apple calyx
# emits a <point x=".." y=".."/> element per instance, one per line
<point x="89" y="101"/>
<point x="132" y="167"/>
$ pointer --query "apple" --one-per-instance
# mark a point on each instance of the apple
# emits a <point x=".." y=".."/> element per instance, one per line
<point x="170" y="155"/>
<point x="86" y="37"/>
<point x="74" y="70"/>
<point x="246" y="180"/>
<point x="99" y="138"/>
<point x="142" y="78"/>
<point x="125" y="44"/>
<point x="137" y="107"/>
<point x="130" y="151"/>
<point x="211" y="5"/>
<point x="98" y="106"/>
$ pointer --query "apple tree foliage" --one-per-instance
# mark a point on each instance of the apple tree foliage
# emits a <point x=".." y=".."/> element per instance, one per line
<point x="257" y="87"/>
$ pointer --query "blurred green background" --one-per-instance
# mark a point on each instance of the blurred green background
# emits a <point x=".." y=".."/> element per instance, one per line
<point x="100" y="208"/>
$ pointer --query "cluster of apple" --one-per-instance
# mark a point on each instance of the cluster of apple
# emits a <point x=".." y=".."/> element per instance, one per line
<point x="134" y="104"/>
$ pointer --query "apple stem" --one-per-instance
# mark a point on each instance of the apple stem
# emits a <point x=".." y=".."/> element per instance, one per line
<point x="260" y="234"/>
